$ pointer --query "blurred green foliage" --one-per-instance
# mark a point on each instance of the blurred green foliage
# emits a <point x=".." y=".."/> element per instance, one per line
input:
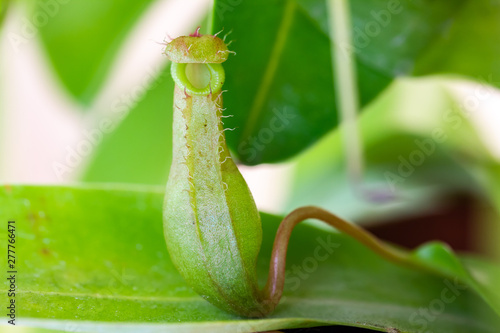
<point x="139" y="149"/>
<point x="82" y="38"/>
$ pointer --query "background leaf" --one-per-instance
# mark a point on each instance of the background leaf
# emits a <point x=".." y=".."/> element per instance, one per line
<point x="469" y="46"/>
<point x="275" y="72"/>
<point x="109" y="271"/>
<point x="139" y="150"/>
<point x="487" y="277"/>
<point x="82" y="39"/>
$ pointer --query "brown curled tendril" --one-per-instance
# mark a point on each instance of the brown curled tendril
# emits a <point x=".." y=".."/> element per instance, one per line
<point x="273" y="290"/>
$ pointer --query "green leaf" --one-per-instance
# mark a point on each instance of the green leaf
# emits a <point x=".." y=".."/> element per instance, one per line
<point x="486" y="277"/>
<point x="280" y="82"/>
<point x="139" y="150"/>
<point x="82" y="39"/>
<point x="469" y="45"/>
<point x="94" y="258"/>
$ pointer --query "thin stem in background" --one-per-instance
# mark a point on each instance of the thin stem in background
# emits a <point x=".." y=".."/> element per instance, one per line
<point x="210" y="18"/>
<point x="346" y="88"/>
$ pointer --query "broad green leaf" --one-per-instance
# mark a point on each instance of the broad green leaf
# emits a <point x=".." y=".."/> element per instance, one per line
<point x="486" y="277"/>
<point x="139" y="150"/>
<point x="469" y="45"/>
<point x="94" y="259"/>
<point x="280" y="82"/>
<point x="82" y="38"/>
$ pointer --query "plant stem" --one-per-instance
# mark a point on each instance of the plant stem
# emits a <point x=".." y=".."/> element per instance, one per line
<point x="346" y="88"/>
<point x="343" y="62"/>
<point x="274" y="288"/>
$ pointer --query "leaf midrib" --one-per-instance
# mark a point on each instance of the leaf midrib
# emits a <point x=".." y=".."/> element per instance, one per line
<point x="282" y="34"/>
<point x="271" y="68"/>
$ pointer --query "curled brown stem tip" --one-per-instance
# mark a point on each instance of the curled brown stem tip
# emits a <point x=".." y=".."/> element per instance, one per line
<point x="274" y="288"/>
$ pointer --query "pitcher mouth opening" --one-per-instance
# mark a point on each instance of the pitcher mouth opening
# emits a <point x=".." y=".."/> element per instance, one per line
<point x="198" y="79"/>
